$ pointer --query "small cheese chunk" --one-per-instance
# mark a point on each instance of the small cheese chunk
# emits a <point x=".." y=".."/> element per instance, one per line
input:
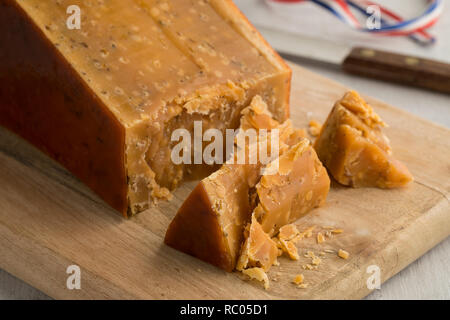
<point x="288" y="232"/>
<point x="259" y="275"/>
<point x="354" y="149"/>
<point x="290" y="249"/>
<point x="299" y="279"/>
<point x="258" y="250"/>
<point x="343" y="254"/>
<point x="314" y="128"/>
<point x="320" y="238"/>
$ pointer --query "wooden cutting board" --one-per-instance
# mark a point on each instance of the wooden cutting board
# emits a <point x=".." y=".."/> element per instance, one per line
<point x="49" y="220"/>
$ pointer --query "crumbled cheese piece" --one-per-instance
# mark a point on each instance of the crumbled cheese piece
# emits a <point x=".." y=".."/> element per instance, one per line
<point x="320" y="238"/>
<point x="316" y="261"/>
<point x="258" y="274"/>
<point x="343" y="254"/>
<point x="337" y="231"/>
<point x="290" y="248"/>
<point x="314" y="128"/>
<point x="308" y="232"/>
<point x="288" y="232"/>
<point x="303" y="286"/>
<point x="299" y="279"/>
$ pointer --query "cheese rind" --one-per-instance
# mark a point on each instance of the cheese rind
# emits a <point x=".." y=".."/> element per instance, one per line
<point x="355" y="151"/>
<point x="104" y="100"/>
<point x="46" y="101"/>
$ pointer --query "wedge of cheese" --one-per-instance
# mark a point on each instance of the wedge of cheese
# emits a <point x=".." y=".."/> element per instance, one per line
<point x="103" y="100"/>
<point x="354" y="149"/>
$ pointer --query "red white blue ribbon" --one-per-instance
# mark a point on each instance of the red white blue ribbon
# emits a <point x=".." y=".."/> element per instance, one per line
<point x="391" y="24"/>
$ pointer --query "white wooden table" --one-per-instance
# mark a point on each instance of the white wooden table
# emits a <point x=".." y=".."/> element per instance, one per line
<point x="429" y="276"/>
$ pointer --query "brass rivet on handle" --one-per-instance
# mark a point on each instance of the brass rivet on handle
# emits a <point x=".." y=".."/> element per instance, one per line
<point x="412" y="61"/>
<point x="368" y="53"/>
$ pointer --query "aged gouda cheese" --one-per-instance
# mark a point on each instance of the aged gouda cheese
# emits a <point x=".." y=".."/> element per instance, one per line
<point x="355" y="151"/>
<point x="210" y="224"/>
<point x="244" y="206"/>
<point x="103" y="100"/>
<point x="300" y="183"/>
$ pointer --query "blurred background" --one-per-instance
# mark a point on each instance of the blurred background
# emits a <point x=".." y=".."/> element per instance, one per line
<point x="307" y="18"/>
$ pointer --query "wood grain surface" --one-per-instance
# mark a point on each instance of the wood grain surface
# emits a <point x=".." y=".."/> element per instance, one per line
<point x="49" y="220"/>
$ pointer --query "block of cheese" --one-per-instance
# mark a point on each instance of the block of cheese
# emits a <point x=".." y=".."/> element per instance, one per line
<point x="210" y="223"/>
<point x="354" y="149"/>
<point x="103" y="100"/>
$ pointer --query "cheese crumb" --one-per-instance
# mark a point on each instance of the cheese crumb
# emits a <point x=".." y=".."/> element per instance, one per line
<point x="343" y="254"/>
<point x="314" y="128"/>
<point x="308" y="232"/>
<point x="299" y="279"/>
<point x="316" y="261"/>
<point x="290" y="248"/>
<point x="337" y="231"/>
<point x="320" y="238"/>
<point x="288" y="232"/>
<point x="258" y="274"/>
<point x="309" y="267"/>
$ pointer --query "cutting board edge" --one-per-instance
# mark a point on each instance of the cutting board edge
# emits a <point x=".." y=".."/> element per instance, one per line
<point x="438" y="218"/>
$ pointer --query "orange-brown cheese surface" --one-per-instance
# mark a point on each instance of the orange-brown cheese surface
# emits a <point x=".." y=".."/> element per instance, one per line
<point x="354" y="149"/>
<point x="103" y="100"/>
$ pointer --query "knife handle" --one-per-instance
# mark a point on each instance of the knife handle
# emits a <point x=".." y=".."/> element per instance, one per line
<point x="399" y="68"/>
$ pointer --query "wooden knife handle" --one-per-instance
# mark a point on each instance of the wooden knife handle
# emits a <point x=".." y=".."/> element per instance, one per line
<point x="399" y="68"/>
